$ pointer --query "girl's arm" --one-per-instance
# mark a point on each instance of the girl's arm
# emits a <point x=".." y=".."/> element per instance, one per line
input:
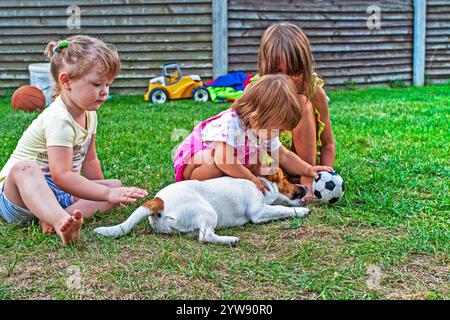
<point x="226" y="161"/>
<point x="305" y="140"/>
<point x="60" y="163"/>
<point x="305" y="133"/>
<point x="91" y="167"/>
<point x="328" y="151"/>
<point x="293" y="164"/>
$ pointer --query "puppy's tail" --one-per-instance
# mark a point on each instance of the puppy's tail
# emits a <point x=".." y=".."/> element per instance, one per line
<point x="152" y="207"/>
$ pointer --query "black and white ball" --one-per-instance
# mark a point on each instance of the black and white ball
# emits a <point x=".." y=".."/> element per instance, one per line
<point x="328" y="187"/>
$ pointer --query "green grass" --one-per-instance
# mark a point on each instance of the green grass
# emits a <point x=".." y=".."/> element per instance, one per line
<point x="392" y="149"/>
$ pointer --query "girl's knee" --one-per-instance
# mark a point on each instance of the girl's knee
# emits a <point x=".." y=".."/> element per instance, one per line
<point x="187" y="171"/>
<point x="25" y="166"/>
<point x="203" y="157"/>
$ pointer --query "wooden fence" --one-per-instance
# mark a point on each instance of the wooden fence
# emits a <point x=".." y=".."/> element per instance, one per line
<point x="146" y="33"/>
<point x="437" y="49"/>
<point x="149" y="33"/>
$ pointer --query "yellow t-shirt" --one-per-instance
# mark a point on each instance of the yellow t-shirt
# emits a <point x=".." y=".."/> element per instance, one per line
<point x="53" y="127"/>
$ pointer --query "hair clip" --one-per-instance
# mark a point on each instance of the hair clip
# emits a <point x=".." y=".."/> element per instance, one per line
<point x="62" y="44"/>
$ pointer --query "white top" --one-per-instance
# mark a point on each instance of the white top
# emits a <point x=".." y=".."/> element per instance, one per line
<point x="228" y="128"/>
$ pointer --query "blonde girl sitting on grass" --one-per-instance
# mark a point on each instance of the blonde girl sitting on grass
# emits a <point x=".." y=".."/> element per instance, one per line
<point x="42" y="180"/>
<point x="243" y="141"/>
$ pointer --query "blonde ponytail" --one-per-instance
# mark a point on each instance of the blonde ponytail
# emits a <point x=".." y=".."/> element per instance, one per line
<point x="77" y="55"/>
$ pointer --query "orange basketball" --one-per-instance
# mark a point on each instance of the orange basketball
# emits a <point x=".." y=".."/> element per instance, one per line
<point x="28" y="98"/>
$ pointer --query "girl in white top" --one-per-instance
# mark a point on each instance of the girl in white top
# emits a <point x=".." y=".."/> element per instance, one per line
<point x="42" y="179"/>
<point x="243" y="141"/>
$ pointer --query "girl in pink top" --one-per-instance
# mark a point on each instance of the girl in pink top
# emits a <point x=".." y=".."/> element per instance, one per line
<point x="243" y="141"/>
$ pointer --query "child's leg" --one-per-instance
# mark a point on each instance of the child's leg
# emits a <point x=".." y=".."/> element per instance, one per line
<point x="26" y="187"/>
<point x="202" y="167"/>
<point x="89" y="207"/>
<point x="205" y="172"/>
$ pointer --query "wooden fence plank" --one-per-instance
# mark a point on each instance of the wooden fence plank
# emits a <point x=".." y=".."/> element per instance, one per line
<point x="146" y="33"/>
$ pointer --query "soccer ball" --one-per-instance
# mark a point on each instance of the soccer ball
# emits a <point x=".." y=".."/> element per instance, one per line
<point x="328" y="187"/>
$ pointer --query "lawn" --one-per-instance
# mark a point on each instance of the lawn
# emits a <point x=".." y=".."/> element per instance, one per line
<point x="388" y="238"/>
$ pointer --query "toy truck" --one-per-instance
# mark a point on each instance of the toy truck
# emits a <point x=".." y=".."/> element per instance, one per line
<point x="173" y="85"/>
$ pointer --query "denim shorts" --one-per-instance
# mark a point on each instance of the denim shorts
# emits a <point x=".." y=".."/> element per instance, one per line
<point x="13" y="213"/>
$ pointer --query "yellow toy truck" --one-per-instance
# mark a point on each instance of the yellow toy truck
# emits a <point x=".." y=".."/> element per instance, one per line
<point x="173" y="85"/>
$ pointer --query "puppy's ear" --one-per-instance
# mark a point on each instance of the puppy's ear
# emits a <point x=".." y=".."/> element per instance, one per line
<point x="277" y="176"/>
<point x="156" y="205"/>
<point x="280" y="174"/>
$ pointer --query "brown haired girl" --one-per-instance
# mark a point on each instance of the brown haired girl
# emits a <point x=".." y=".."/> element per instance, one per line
<point x="285" y="49"/>
<point x="237" y="142"/>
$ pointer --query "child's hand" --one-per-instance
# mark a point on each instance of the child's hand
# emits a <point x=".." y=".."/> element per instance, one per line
<point x="125" y="195"/>
<point x="308" y="197"/>
<point x="312" y="171"/>
<point x="261" y="185"/>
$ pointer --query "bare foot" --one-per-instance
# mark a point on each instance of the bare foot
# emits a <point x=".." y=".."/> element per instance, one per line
<point x="69" y="231"/>
<point x="46" y="228"/>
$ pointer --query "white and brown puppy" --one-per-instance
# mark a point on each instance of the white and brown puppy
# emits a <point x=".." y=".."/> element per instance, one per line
<point x="199" y="207"/>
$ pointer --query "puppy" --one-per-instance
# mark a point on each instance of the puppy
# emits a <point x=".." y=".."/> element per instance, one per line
<point x="199" y="207"/>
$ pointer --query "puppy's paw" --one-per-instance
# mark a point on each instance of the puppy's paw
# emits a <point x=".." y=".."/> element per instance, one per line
<point x="233" y="241"/>
<point x="301" y="212"/>
<point x="102" y="231"/>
